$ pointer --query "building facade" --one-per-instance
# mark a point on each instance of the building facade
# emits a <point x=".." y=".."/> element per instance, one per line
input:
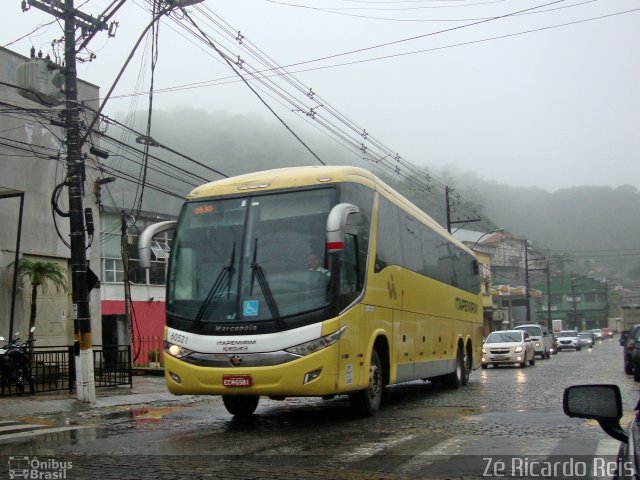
<point x="581" y="302"/>
<point x="32" y="192"/>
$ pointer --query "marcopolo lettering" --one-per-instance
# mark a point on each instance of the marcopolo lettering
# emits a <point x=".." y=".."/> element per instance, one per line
<point x="466" y="306"/>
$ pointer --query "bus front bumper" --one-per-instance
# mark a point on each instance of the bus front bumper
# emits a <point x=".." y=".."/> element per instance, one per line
<point x="311" y="375"/>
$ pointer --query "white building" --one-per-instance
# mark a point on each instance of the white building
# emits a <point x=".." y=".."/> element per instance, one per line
<point x="32" y="164"/>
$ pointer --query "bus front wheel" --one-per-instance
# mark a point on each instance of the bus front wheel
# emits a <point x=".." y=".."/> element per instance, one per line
<point x="241" y="406"/>
<point x="367" y="402"/>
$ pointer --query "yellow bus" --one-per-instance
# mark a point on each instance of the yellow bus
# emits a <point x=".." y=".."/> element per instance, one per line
<point x="313" y="281"/>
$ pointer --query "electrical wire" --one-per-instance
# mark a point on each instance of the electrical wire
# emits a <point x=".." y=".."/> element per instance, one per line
<point x="204" y="35"/>
<point x="155" y="33"/>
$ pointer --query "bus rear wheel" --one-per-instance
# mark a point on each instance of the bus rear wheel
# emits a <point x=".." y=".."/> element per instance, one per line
<point x="460" y="376"/>
<point x="241" y="406"/>
<point x="367" y="402"/>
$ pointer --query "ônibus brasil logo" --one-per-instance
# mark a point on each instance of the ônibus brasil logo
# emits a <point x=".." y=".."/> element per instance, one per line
<point x="38" y="468"/>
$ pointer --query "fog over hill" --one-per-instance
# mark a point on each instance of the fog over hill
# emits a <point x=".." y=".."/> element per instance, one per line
<point x="599" y="226"/>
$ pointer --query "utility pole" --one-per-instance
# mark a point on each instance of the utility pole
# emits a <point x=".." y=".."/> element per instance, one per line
<point x="573" y="301"/>
<point x="83" y="345"/>
<point x="124" y="246"/>
<point x="447" y="196"/>
<point x="606" y="303"/>
<point x="83" y="348"/>
<point x="549" y="326"/>
<point x="526" y="281"/>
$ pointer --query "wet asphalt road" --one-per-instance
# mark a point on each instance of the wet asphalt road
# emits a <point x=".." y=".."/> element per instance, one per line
<point x="421" y="431"/>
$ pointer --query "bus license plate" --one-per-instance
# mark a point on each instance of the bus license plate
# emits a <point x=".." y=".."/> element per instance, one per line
<point x="237" y="381"/>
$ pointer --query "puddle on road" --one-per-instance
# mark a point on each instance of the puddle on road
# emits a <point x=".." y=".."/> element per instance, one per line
<point x="444" y="413"/>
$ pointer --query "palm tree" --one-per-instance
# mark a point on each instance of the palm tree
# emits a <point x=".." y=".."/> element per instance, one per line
<point x="39" y="274"/>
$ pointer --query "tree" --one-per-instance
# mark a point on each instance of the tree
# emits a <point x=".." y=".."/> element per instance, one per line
<point x="39" y="274"/>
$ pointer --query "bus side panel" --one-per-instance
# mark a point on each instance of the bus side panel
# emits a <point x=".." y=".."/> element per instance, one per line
<point x="437" y="359"/>
<point x="378" y="322"/>
<point x="382" y="302"/>
<point x="403" y="341"/>
<point x="351" y="363"/>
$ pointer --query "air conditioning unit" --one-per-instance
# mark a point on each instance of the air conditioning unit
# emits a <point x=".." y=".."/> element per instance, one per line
<point x="41" y="81"/>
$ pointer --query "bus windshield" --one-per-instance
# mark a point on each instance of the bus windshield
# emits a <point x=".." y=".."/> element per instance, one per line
<point x="253" y="258"/>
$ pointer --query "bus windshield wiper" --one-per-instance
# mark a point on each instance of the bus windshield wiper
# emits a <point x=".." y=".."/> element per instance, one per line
<point x="257" y="271"/>
<point x="211" y="298"/>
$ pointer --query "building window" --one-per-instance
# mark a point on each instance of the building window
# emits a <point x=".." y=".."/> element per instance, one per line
<point x="113" y="271"/>
<point x="112" y="266"/>
<point x="555" y="299"/>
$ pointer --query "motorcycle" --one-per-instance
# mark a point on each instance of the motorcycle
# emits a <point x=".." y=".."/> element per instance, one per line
<point x="15" y="365"/>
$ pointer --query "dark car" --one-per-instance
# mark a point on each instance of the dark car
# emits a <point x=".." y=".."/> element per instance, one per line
<point x="604" y="404"/>
<point x="628" y="344"/>
<point x="554" y="344"/>
<point x="635" y="361"/>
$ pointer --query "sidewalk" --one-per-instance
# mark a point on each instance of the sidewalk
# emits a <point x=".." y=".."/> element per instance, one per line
<point x="145" y="389"/>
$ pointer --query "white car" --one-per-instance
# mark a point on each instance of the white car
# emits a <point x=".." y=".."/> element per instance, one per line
<point x="568" y="339"/>
<point x="597" y="332"/>
<point x="508" y="347"/>
<point x="540" y="338"/>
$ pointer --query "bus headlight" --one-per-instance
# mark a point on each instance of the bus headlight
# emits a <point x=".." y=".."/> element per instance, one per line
<point x="176" y="350"/>
<point x="317" y="344"/>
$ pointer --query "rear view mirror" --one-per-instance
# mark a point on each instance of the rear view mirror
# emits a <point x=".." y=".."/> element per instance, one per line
<point x="144" y="242"/>
<point x="336" y="222"/>
<point x="596" y="402"/>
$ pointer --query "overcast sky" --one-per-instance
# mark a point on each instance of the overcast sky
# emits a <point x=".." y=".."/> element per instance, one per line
<point x="547" y="97"/>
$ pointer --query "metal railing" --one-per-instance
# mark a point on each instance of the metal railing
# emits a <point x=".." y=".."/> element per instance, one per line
<point x="53" y="368"/>
<point x="148" y="352"/>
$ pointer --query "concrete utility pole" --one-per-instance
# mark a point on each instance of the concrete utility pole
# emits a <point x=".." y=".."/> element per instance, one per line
<point x="83" y="345"/>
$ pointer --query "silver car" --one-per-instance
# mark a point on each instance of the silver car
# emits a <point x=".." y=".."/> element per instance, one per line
<point x="508" y="347"/>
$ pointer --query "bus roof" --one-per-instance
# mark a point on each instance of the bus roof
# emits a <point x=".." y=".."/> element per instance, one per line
<point x="281" y="178"/>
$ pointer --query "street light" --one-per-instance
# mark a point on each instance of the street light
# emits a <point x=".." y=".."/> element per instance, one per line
<point x="497" y="230"/>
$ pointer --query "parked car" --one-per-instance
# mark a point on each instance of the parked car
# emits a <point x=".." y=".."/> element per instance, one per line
<point x="604" y="404"/>
<point x="635" y="361"/>
<point x="587" y="339"/>
<point x="508" y="347"/>
<point x="628" y="344"/>
<point x="597" y="332"/>
<point x="540" y="338"/>
<point x="607" y="332"/>
<point x="569" y="339"/>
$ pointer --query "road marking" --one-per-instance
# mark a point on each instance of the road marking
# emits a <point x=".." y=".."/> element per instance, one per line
<point x="12" y="431"/>
<point x="607" y="447"/>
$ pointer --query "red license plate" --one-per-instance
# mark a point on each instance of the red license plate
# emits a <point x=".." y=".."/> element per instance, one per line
<point x="237" y="381"/>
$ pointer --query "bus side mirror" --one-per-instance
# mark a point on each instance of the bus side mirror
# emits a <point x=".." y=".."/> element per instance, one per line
<point x="144" y="243"/>
<point x="336" y="222"/>
<point x="596" y="402"/>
